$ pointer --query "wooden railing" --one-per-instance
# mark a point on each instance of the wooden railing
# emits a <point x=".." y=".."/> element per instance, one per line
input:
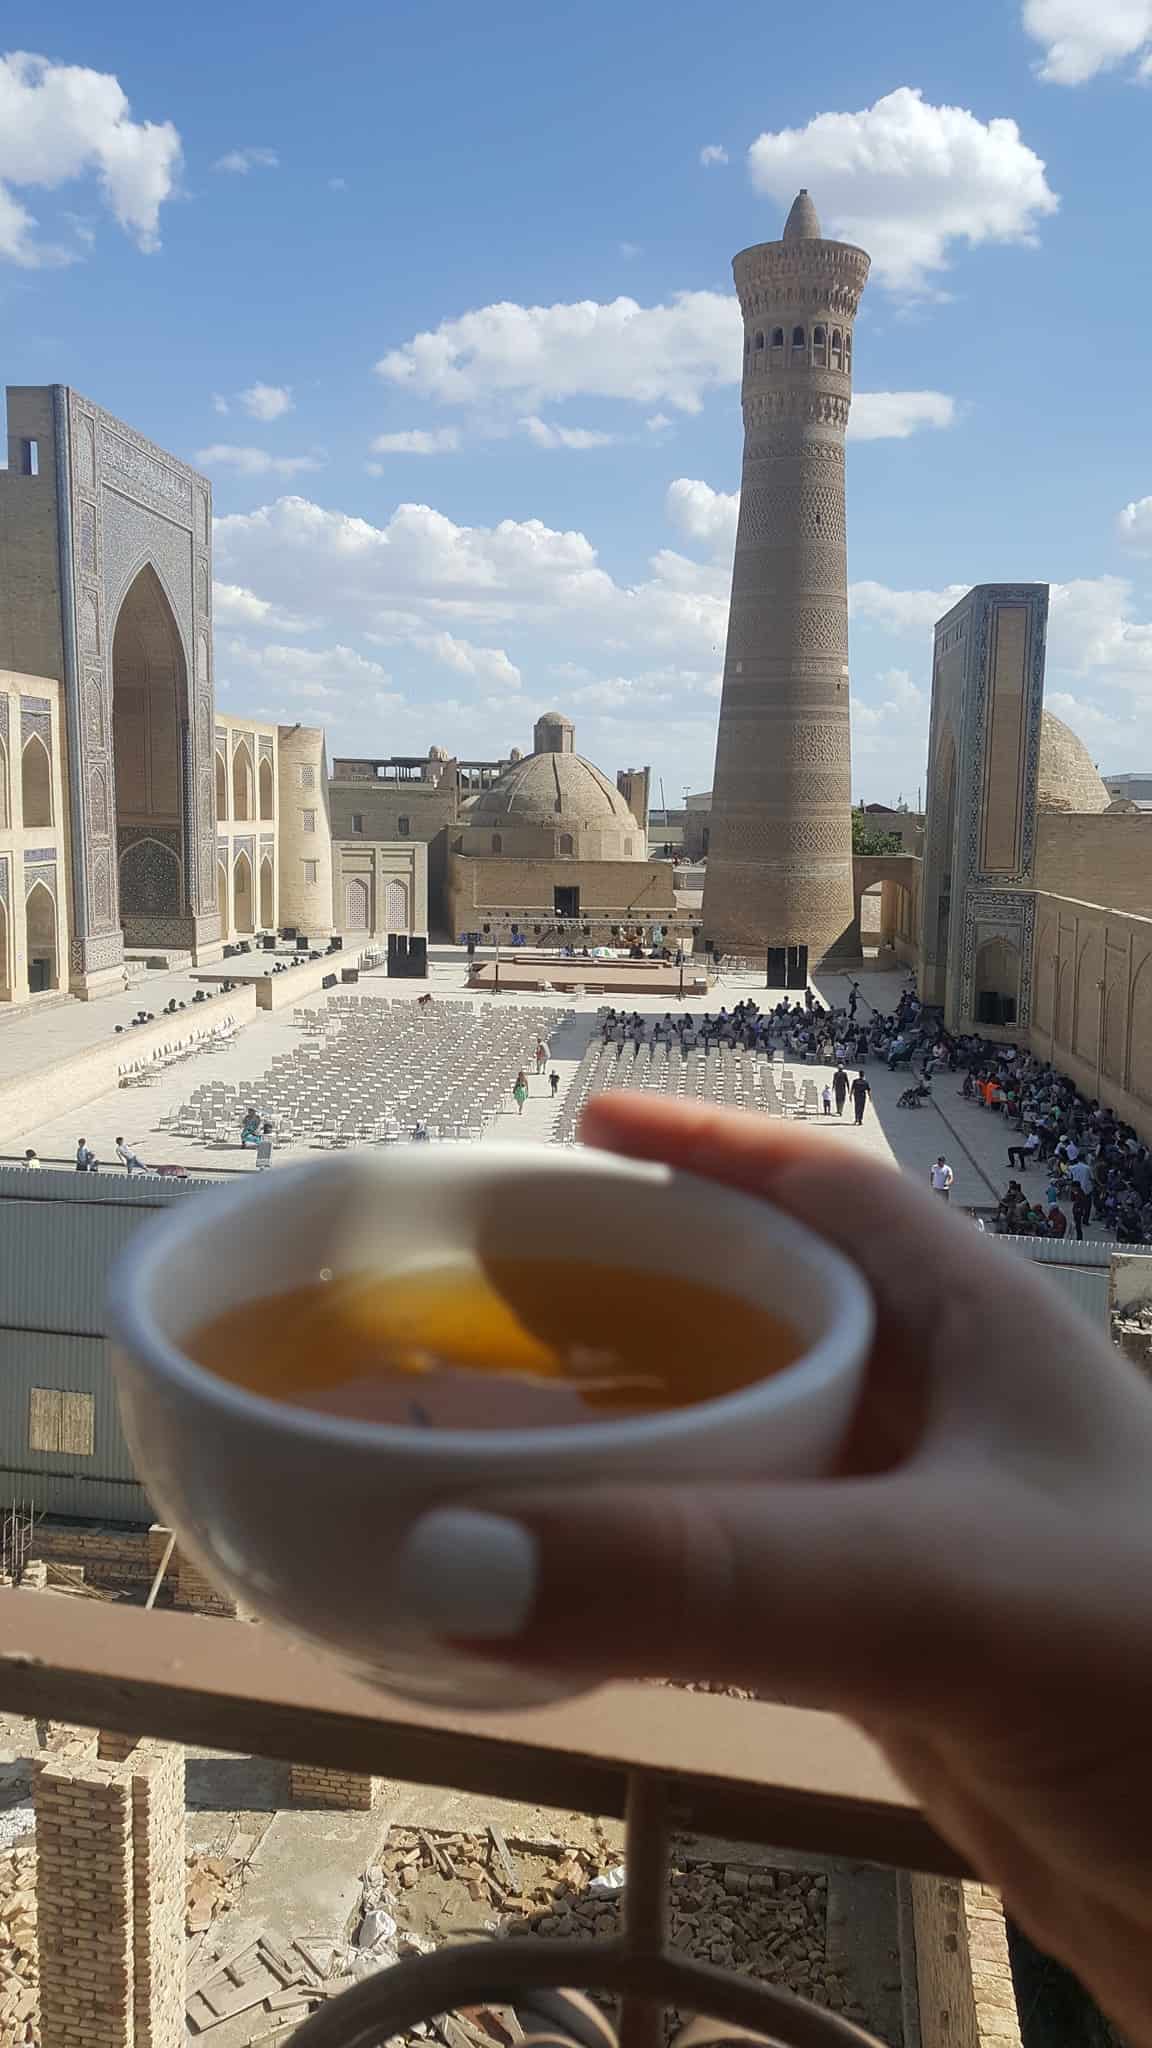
<point x="663" y="1757"/>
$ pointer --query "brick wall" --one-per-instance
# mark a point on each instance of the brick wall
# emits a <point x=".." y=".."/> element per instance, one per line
<point x="196" y="1593"/>
<point x="963" y="1975"/>
<point x="1099" y="859"/>
<point x="156" y="1771"/>
<point x="110" y="1897"/>
<point x="311" y="1785"/>
<point x="118" y="1560"/>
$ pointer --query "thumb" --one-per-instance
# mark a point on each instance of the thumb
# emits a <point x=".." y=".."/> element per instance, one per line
<point x="813" y="1591"/>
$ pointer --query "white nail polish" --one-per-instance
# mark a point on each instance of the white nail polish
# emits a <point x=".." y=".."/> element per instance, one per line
<point x="463" y="1573"/>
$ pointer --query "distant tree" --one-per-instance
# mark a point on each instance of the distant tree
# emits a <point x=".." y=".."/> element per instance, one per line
<point x="866" y="839"/>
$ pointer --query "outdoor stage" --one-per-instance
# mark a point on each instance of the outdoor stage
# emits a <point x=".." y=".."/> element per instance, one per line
<point x="523" y="971"/>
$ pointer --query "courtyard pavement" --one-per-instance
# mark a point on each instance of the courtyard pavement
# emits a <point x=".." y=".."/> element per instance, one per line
<point x="973" y="1139"/>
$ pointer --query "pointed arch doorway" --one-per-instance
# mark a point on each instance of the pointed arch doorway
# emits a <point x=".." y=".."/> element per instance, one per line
<point x="150" y="746"/>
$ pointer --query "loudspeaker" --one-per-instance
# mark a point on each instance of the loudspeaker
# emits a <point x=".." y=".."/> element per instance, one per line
<point x="288" y="931"/>
<point x="797" y="967"/>
<point x="418" y="959"/>
<point x="268" y="943"/>
<point x="335" y="943"/>
<point x="329" y="981"/>
<point x="301" y="944"/>
<point x="349" y="974"/>
<point x="777" y="972"/>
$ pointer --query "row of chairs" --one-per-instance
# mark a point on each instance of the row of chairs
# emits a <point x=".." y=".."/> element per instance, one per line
<point x="725" y="1075"/>
<point x="368" y="1071"/>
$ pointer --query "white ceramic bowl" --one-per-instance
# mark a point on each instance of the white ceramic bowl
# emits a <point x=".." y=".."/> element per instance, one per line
<point x="299" y="1513"/>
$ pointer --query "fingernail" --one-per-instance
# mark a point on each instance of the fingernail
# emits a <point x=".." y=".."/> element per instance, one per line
<point x="461" y="1573"/>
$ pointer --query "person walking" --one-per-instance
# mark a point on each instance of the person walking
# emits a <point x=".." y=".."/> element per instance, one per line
<point x="853" y="998"/>
<point x="32" y="1159"/>
<point x="520" y="1090"/>
<point x="942" y="1177"/>
<point x="840" y="1088"/>
<point x="85" y="1158"/>
<point x="826" y="1099"/>
<point x="541" y="1055"/>
<point x="1081" y="1210"/>
<point x="554" y="1082"/>
<point x="861" y="1090"/>
<point x="128" y="1159"/>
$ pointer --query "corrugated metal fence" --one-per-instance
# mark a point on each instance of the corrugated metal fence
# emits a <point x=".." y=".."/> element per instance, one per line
<point x="59" y="1233"/>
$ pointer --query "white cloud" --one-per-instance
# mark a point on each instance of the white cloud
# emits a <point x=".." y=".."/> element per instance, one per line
<point x="1134" y="525"/>
<point x="255" y="461"/>
<point x="1091" y="627"/>
<point x="713" y="153"/>
<point x="702" y="514"/>
<point x="418" y="441"/>
<point x="894" y="415"/>
<point x="649" y="354"/>
<point x="220" y="403"/>
<point x="902" y="611"/>
<point x="668" y="354"/>
<point x="60" y="122"/>
<point x="489" y="665"/>
<point x="232" y="605"/>
<point x="545" y="435"/>
<point x="1091" y="624"/>
<point x="1084" y="37"/>
<point x="241" y="161"/>
<point x="907" y="180"/>
<point x="308" y="672"/>
<point x="423" y="573"/>
<point x="337" y="184"/>
<point x="658" y="423"/>
<point x="628" y="250"/>
<point x="267" y="401"/>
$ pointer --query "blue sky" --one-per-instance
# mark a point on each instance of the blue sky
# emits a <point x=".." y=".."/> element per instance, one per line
<point x="441" y="301"/>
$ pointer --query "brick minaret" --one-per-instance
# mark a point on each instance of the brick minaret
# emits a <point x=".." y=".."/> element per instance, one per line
<point x="780" y="859"/>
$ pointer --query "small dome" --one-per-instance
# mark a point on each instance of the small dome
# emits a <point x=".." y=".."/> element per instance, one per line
<point x="437" y="753"/>
<point x="516" y="755"/>
<point x="803" y="223"/>
<point x="560" y="790"/>
<point x="1067" y="779"/>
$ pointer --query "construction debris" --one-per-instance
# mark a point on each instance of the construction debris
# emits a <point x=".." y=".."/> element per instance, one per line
<point x="212" y="1884"/>
<point x="19" y="1958"/>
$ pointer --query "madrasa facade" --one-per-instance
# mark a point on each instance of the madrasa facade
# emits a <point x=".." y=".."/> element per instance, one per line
<point x="135" y="816"/>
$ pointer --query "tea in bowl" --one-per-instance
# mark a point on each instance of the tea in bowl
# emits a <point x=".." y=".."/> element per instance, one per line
<point x="309" y="1365"/>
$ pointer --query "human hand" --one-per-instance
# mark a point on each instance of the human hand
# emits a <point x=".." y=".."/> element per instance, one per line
<point x="973" y="1585"/>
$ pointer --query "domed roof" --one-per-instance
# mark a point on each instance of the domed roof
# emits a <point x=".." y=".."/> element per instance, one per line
<point x="1067" y="779"/>
<point x="803" y="223"/>
<point x="552" y="789"/>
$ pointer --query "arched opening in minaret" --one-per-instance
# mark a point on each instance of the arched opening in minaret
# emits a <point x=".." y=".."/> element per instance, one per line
<point x="847" y="351"/>
<point x="799" y="342"/>
<point x="837" y="349"/>
<point x="759" y="341"/>
<point x="820" y="348"/>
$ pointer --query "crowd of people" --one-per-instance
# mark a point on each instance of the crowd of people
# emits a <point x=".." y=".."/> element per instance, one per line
<point x="1097" y="1168"/>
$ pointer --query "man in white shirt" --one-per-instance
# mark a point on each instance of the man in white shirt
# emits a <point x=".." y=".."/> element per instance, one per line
<point x="942" y="1177"/>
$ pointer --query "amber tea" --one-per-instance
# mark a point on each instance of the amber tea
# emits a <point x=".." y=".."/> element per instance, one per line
<point x="498" y="1344"/>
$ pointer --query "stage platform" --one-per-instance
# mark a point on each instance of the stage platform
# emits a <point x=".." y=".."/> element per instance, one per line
<point x="598" y="977"/>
